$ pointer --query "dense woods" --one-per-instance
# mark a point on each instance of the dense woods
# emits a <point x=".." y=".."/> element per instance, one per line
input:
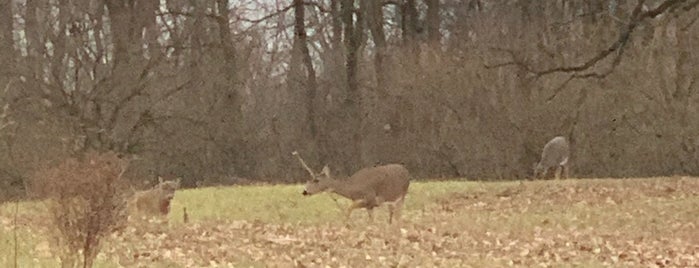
<point x="213" y="91"/>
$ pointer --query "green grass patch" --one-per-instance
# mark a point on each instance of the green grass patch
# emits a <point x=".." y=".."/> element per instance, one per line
<point x="286" y="204"/>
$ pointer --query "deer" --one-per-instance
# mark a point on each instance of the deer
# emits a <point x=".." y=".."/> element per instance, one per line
<point x="367" y="188"/>
<point x="554" y="155"/>
<point x="155" y="201"/>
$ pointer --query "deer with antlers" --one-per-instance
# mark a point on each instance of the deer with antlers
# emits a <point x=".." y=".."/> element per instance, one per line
<point x="367" y="188"/>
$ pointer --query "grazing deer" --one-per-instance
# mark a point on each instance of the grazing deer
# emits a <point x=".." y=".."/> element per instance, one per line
<point x="555" y="155"/>
<point x="155" y="201"/>
<point x="367" y="188"/>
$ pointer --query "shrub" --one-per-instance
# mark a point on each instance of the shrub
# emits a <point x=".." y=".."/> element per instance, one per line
<point x="86" y="198"/>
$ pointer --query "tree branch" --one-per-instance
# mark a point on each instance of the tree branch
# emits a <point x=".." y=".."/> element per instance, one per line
<point x="266" y="17"/>
<point x="615" y="49"/>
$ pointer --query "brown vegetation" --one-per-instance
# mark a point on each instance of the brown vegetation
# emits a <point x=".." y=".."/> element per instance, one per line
<point x="448" y="88"/>
<point x="86" y="198"/>
<point x="567" y="223"/>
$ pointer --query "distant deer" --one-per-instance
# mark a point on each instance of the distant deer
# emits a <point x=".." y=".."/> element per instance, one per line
<point x="155" y="201"/>
<point x="555" y="155"/>
<point x="367" y="188"/>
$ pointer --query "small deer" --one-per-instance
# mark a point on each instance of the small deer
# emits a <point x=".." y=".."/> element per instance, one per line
<point x="555" y="155"/>
<point x="155" y="201"/>
<point x="367" y="188"/>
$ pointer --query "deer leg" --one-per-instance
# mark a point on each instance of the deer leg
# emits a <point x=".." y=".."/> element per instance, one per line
<point x="349" y="213"/>
<point x="391" y="210"/>
<point x="397" y="208"/>
<point x="557" y="172"/>
<point x="552" y="173"/>
<point x="370" y="212"/>
<point x="355" y="204"/>
<point x="566" y="171"/>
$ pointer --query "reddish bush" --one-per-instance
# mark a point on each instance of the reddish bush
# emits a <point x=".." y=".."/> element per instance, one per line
<point x="86" y="198"/>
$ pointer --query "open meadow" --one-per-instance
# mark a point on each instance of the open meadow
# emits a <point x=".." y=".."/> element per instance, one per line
<point x="650" y="222"/>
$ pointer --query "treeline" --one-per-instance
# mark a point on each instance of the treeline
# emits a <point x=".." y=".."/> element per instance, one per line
<point x="216" y="91"/>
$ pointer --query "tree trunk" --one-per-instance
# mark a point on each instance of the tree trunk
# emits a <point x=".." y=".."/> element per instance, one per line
<point x="351" y="46"/>
<point x="35" y="48"/>
<point x="311" y="85"/>
<point x="123" y="82"/>
<point x="409" y="17"/>
<point x="148" y="22"/>
<point x="336" y="23"/>
<point x="432" y="19"/>
<point x="410" y="30"/>
<point x="375" y="20"/>
<point x="352" y="103"/>
<point x="232" y="77"/>
<point x="6" y="47"/>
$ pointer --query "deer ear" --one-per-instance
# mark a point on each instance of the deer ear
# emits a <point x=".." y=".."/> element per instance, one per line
<point x="326" y="171"/>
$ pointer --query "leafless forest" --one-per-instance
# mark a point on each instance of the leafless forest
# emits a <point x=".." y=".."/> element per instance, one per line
<point x="216" y="90"/>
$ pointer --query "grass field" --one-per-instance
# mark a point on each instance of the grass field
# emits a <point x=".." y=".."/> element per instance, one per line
<point x="569" y="223"/>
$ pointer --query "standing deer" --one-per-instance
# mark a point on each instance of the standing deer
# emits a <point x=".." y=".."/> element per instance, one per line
<point x="555" y="155"/>
<point x="155" y="201"/>
<point x="367" y="188"/>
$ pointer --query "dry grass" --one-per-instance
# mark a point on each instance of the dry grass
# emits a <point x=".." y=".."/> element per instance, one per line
<point x="569" y="223"/>
<point x="86" y="199"/>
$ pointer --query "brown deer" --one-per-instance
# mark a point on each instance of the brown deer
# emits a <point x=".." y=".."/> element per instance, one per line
<point x="367" y="188"/>
<point x="155" y="201"/>
<point x="555" y="155"/>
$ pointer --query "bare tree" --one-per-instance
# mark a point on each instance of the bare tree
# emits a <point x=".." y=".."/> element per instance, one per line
<point x="457" y="88"/>
<point x="300" y="44"/>
<point x="375" y="21"/>
<point x="432" y="20"/>
<point x="352" y="35"/>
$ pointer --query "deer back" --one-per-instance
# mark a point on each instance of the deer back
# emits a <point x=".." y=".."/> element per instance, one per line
<point x="388" y="182"/>
<point x="555" y="152"/>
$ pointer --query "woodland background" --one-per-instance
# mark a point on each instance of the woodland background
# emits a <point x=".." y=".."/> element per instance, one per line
<point x="216" y="91"/>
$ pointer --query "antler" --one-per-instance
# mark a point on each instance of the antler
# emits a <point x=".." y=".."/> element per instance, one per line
<point x="303" y="163"/>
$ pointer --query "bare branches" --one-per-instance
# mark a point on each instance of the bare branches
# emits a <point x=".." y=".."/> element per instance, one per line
<point x="689" y="7"/>
<point x="391" y="2"/>
<point x="172" y="12"/>
<point x="268" y="16"/>
<point x="615" y="50"/>
<point x="253" y="21"/>
<point x="281" y="11"/>
<point x="595" y="75"/>
<point x="515" y="60"/>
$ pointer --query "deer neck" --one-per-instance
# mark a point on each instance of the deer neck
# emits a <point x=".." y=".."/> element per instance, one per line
<point x="340" y="187"/>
